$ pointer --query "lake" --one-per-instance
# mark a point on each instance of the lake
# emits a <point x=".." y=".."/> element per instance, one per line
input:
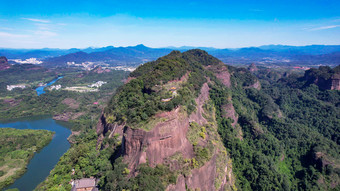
<point x="44" y="161"/>
<point x="40" y="89"/>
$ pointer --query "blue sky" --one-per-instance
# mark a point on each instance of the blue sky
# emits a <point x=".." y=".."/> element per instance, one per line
<point x="214" y="23"/>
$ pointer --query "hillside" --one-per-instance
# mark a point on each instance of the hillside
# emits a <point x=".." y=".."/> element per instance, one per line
<point x="187" y="121"/>
<point x="166" y="118"/>
<point x="248" y="118"/>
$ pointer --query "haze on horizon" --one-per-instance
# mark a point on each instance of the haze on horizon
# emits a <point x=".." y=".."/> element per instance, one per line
<point x="215" y="23"/>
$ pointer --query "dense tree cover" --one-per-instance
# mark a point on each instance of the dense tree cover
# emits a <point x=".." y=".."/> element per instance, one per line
<point x="138" y="100"/>
<point x="148" y="178"/>
<point x="17" y="147"/>
<point x="82" y="160"/>
<point x="284" y="130"/>
<point x="324" y="72"/>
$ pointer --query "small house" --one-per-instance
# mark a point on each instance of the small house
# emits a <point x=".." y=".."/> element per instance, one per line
<point x="84" y="184"/>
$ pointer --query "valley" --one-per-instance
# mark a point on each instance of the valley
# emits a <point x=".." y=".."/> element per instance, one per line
<point x="169" y="95"/>
<point x="187" y="121"/>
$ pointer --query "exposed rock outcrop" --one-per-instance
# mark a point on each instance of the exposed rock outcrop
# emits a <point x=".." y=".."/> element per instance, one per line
<point x="252" y="68"/>
<point x="67" y="116"/>
<point x="256" y="85"/>
<point x="335" y="82"/>
<point x="221" y="72"/>
<point x="4" y="63"/>
<point x="164" y="140"/>
<point x="181" y="134"/>
<point x="100" y="70"/>
<point x="72" y="103"/>
<point x="230" y="113"/>
<point x="168" y="138"/>
<point x="325" y="77"/>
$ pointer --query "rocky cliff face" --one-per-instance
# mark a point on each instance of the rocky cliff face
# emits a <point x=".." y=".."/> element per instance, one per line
<point x="187" y="143"/>
<point x="167" y="143"/>
<point x="252" y="68"/>
<point x="4" y="63"/>
<point x="221" y="72"/>
<point x="324" y="77"/>
<point x="256" y="85"/>
<point x="335" y="82"/>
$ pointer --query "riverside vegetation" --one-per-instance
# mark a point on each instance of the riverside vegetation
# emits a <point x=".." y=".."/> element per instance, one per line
<point x="17" y="148"/>
<point x="79" y="107"/>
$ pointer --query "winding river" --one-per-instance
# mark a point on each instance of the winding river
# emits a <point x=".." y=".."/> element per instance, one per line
<point x="40" y="89"/>
<point x="44" y="161"/>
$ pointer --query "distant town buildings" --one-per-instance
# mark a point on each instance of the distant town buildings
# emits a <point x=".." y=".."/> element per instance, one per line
<point x="93" y="65"/>
<point x="27" y="61"/>
<point x="56" y="87"/>
<point x="301" y="68"/>
<point x="97" y="84"/>
<point x="11" y="87"/>
<point x="124" y="68"/>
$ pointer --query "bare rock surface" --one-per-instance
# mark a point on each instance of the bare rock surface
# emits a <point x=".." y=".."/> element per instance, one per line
<point x="221" y="72"/>
<point x="167" y="138"/>
<point x="4" y="63"/>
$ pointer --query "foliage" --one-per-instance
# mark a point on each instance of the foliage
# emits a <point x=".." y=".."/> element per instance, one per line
<point x="82" y="160"/>
<point x="17" y="148"/>
<point x="283" y="128"/>
<point x="27" y="103"/>
<point x="141" y="98"/>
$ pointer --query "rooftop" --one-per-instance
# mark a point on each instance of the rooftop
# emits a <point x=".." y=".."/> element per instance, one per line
<point x="84" y="183"/>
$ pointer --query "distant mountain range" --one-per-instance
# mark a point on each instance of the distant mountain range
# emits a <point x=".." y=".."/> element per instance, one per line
<point x="136" y="55"/>
<point x="112" y="55"/>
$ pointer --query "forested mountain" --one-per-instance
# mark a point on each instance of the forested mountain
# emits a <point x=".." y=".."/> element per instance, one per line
<point x="135" y="55"/>
<point x="187" y="121"/>
<point x="118" y="55"/>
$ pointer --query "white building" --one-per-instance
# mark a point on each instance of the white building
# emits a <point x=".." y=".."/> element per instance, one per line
<point x="11" y="87"/>
<point x="56" y="87"/>
<point x="97" y="84"/>
<point x="27" y="61"/>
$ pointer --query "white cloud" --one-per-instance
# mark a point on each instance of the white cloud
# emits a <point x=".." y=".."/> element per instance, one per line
<point x="45" y="33"/>
<point x="37" y="20"/>
<point x="11" y="35"/>
<point x="6" y="28"/>
<point x="43" y="26"/>
<point x="324" y="27"/>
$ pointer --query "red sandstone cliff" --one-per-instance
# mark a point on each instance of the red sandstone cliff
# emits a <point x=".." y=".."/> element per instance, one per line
<point x="4" y="63"/>
<point x="335" y="82"/>
<point x="168" y="138"/>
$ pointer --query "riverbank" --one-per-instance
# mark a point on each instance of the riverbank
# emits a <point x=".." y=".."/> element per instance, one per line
<point x="40" y="165"/>
<point x="17" y="148"/>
